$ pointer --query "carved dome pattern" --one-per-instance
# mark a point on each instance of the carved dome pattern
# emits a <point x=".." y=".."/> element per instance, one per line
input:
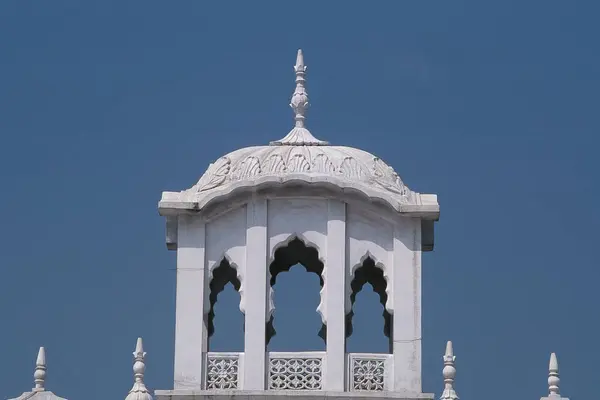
<point x="251" y="163"/>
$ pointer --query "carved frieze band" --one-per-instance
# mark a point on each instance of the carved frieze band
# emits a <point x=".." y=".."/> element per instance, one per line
<point x="377" y="173"/>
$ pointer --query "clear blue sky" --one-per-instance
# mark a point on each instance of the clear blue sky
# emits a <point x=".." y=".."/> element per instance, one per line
<point x="492" y="106"/>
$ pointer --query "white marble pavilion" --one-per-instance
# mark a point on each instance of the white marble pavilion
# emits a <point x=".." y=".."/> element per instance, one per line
<point x="343" y="214"/>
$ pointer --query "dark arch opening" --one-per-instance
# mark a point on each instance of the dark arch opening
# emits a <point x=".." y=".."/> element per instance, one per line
<point x="286" y="258"/>
<point x="224" y="275"/>
<point x="369" y="273"/>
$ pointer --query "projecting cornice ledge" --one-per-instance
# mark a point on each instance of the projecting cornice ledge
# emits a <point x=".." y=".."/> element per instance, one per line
<point x="404" y="202"/>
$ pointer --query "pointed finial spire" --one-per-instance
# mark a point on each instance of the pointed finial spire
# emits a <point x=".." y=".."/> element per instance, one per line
<point x="553" y="379"/>
<point x="139" y="390"/>
<point x="299" y="135"/>
<point x="139" y="366"/>
<point x="39" y="375"/>
<point x="299" y="101"/>
<point x="449" y="373"/>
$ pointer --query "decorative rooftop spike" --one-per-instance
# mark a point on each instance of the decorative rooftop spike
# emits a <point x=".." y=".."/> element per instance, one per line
<point x="139" y="390"/>
<point x="39" y="392"/>
<point x="299" y="101"/>
<point x="39" y="375"/>
<point x="299" y="135"/>
<point x="553" y="379"/>
<point x="449" y="373"/>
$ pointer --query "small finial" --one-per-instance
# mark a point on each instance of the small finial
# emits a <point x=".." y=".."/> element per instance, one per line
<point x="553" y="379"/>
<point x="299" y="135"/>
<point x="39" y="375"/>
<point x="139" y="366"/>
<point x="449" y="373"/>
<point x="299" y="101"/>
<point x="139" y="390"/>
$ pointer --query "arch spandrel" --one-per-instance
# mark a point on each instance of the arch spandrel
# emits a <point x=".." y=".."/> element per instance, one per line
<point x="297" y="217"/>
<point x="368" y="233"/>
<point x="226" y="234"/>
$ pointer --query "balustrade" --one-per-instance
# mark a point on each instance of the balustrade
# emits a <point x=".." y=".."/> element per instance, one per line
<point x="301" y="371"/>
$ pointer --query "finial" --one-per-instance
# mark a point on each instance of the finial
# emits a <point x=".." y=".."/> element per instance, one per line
<point x="139" y="367"/>
<point x="299" y="101"/>
<point x="299" y="135"/>
<point x="39" y="375"/>
<point x="139" y="390"/>
<point x="449" y="373"/>
<point x="553" y="379"/>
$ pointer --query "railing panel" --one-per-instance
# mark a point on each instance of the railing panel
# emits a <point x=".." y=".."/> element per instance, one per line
<point x="223" y="371"/>
<point x="301" y="371"/>
<point x="369" y="372"/>
<point x="296" y="371"/>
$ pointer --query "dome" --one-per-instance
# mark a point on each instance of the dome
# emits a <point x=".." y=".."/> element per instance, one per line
<point x="301" y="159"/>
<point x="346" y="167"/>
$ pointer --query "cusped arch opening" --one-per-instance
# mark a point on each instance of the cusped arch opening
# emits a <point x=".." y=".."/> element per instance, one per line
<point x="231" y="318"/>
<point x="371" y="273"/>
<point x="298" y="303"/>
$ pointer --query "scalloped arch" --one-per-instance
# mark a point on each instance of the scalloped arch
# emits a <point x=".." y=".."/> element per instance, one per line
<point x="387" y="275"/>
<point x="282" y="244"/>
<point x="239" y="275"/>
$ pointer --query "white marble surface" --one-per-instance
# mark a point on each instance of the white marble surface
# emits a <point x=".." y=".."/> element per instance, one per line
<point x="346" y="204"/>
<point x="343" y="235"/>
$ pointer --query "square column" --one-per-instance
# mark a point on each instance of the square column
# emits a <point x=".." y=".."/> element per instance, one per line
<point x="190" y="322"/>
<point x="256" y="288"/>
<point x="406" y="329"/>
<point x="335" y="296"/>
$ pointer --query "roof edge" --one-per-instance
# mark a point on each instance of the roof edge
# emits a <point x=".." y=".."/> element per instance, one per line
<point x="424" y="206"/>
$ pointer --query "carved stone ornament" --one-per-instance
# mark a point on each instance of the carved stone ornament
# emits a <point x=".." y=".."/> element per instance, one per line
<point x="368" y="374"/>
<point x="218" y="174"/>
<point x="296" y="373"/>
<point x="222" y="372"/>
<point x="317" y="161"/>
